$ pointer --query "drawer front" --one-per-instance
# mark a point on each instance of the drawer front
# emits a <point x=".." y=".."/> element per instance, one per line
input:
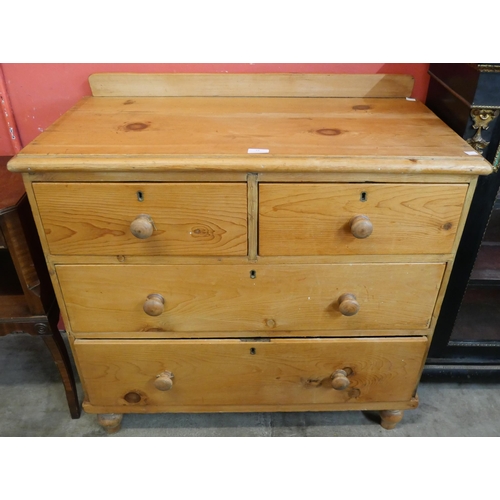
<point x="133" y="373"/>
<point x="183" y="218"/>
<point x="266" y="298"/>
<point x="316" y="219"/>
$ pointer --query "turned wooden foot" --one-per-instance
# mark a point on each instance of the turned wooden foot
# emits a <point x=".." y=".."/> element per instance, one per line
<point x="390" y="418"/>
<point x="111" y="422"/>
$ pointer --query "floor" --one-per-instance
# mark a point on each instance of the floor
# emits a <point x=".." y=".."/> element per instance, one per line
<point x="32" y="403"/>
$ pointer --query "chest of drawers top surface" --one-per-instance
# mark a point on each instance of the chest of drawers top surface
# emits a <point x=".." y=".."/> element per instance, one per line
<point x="217" y="132"/>
<point x="231" y="125"/>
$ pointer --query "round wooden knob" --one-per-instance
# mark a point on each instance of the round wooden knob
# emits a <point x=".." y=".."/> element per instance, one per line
<point x="361" y="226"/>
<point x="164" y="381"/>
<point x="142" y="226"/>
<point x="340" y="380"/>
<point x="154" y="305"/>
<point x="348" y="305"/>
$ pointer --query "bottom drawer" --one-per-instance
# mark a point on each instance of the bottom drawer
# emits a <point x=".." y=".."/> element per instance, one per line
<point x="234" y="375"/>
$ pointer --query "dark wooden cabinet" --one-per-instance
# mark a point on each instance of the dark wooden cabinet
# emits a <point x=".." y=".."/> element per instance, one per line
<point x="27" y="299"/>
<point x="467" y="335"/>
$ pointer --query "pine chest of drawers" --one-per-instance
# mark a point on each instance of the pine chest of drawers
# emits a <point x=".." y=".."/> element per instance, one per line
<point x="249" y="242"/>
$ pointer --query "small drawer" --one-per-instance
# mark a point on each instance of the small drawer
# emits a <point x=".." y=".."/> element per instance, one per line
<point x="144" y="219"/>
<point x="183" y="375"/>
<point x="245" y="297"/>
<point x="358" y="219"/>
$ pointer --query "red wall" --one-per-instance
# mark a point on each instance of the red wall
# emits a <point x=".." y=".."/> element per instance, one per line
<point x="40" y="93"/>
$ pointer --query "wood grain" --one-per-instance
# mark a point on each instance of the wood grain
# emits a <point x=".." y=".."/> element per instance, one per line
<point x="314" y="219"/>
<point x="270" y="85"/>
<point x="14" y="308"/>
<point x="189" y="158"/>
<point x="253" y="215"/>
<point x="227" y="299"/>
<point x="11" y="186"/>
<point x="190" y="219"/>
<point x="241" y="407"/>
<point x="222" y="261"/>
<point x="225" y="372"/>
<point x="144" y="168"/>
<point x="248" y="334"/>
<point x="304" y="128"/>
<point x="22" y="247"/>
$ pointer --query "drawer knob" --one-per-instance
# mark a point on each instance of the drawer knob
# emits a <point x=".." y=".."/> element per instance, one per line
<point x="154" y="305"/>
<point x="348" y="305"/>
<point x="361" y="226"/>
<point x="142" y="226"/>
<point x="164" y="381"/>
<point x="340" y="380"/>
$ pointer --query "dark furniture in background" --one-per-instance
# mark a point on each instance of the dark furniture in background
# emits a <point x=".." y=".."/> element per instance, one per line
<point x="27" y="300"/>
<point x="467" y="335"/>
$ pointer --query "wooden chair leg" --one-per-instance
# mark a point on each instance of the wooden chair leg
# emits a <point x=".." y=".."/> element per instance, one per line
<point x="57" y="348"/>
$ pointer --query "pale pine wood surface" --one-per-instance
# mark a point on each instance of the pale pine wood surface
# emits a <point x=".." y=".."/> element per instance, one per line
<point x="230" y="126"/>
<point x="226" y="299"/>
<point x="236" y="168"/>
<point x="241" y="408"/>
<point x="314" y="219"/>
<point x="257" y="85"/>
<point x="225" y="372"/>
<point x="232" y="260"/>
<point x="253" y="216"/>
<point x="174" y="173"/>
<point x="203" y="141"/>
<point x="190" y="219"/>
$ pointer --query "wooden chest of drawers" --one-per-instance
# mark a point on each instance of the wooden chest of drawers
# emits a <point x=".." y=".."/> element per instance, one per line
<point x="249" y="242"/>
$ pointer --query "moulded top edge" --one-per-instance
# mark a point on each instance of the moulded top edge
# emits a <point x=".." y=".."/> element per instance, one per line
<point x="469" y="165"/>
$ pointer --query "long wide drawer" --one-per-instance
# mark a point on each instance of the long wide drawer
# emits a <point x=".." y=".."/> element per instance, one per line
<point x="266" y="298"/>
<point x="323" y="219"/>
<point x="144" y="218"/>
<point x="175" y="374"/>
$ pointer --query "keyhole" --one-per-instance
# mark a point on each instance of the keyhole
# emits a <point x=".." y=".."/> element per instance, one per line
<point x="363" y="196"/>
<point x="140" y="196"/>
<point x="252" y="350"/>
<point x="253" y="274"/>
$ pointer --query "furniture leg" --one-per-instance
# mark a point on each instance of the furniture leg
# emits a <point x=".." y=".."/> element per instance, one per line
<point x="390" y="418"/>
<point x="55" y="343"/>
<point x="111" y="422"/>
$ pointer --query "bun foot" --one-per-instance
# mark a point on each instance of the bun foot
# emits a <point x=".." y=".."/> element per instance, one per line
<point x="111" y="422"/>
<point x="390" y="418"/>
